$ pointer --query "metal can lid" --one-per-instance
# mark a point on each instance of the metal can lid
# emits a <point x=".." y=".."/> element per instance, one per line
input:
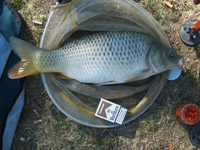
<point x="195" y="135"/>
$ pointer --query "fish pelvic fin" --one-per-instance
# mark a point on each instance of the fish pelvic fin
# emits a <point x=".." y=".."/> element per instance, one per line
<point x="27" y="53"/>
<point x="62" y="76"/>
<point x="107" y="83"/>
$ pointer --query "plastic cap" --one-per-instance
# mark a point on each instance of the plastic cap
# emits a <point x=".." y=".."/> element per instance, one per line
<point x="174" y="74"/>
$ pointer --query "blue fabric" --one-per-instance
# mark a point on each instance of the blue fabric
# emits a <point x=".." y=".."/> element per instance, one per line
<point x="11" y="122"/>
<point x="10" y="90"/>
<point x="4" y="53"/>
<point x="8" y="24"/>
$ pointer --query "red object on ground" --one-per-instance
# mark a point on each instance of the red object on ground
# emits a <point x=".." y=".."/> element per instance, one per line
<point x="170" y="147"/>
<point x="196" y="27"/>
<point x="196" y="2"/>
<point x="188" y="113"/>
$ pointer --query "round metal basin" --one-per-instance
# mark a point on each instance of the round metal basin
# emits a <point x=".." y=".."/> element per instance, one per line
<point x="123" y="15"/>
<point x="82" y="109"/>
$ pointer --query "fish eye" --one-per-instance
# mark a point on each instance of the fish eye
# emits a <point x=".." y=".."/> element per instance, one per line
<point x="171" y="54"/>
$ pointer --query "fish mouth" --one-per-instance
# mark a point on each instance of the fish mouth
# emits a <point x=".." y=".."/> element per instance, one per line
<point x="181" y="62"/>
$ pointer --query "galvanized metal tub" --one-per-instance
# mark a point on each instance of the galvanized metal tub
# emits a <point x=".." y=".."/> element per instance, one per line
<point x="81" y="108"/>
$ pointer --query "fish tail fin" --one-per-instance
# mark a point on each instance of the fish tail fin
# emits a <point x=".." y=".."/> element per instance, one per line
<point x="26" y="52"/>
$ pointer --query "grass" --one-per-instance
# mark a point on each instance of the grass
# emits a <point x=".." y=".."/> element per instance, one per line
<point x="29" y="11"/>
<point x="19" y="3"/>
<point x="156" y="129"/>
<point x="149" y="122"/>
<point x="151" y="5"/>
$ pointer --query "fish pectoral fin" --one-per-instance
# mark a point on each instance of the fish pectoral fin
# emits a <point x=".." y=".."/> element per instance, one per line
<point x="62" y="76"/>
<point x="139" y="76"/>
<point x="107" y="83"/>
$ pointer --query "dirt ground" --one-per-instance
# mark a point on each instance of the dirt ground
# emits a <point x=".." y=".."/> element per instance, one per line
<point x="156" y="129"/>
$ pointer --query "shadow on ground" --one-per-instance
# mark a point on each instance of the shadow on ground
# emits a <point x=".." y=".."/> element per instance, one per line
<point x="197" y="49"/>
<point x="34" y="99"/>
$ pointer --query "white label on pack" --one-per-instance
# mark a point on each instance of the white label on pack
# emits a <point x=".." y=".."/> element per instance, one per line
<point x="110" y="111"/>
<point x="121" y="115"/>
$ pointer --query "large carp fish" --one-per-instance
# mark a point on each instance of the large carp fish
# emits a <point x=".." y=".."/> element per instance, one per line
<point x="101" y="58"/>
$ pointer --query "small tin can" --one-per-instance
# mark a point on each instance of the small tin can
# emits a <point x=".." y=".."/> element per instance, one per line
<point x="188" y="113"/>
<point x="194" y="135"/>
